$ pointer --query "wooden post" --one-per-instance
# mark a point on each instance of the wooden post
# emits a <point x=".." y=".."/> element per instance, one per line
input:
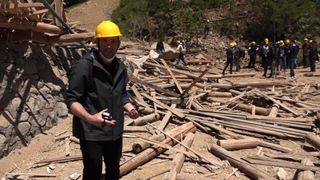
<point x="274" y="110"/>
<point x="58" y="6"/>
<point x="237" y="144"/>
<point x="313" y="140"/>
<point x="139" y="146"/>
<point x="248" y="108"/>
<point x="179" y="158"/>
<point x="307" y="174"/>
<point x="151" y="153"/>
<point x="172" y="76"/>
<point x="166" y="118"/>
<point x="235" y="161"/>
<point x="220" y="94"/>
<point x="145" y="119"/>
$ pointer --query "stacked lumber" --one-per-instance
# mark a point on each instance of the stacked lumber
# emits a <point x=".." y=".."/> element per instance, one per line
<point x="26" y="20"/>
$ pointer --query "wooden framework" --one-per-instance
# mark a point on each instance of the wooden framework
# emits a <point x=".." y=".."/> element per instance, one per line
<point x="25" y="20"/>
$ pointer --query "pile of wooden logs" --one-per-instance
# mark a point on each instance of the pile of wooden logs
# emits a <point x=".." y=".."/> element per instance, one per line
<point x="174" y="104"/>
<point x="26" y="20"/>
<point x="240" y="115"/>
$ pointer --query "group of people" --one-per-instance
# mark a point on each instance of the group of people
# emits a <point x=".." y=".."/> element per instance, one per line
<point x="275" y="57"/>
<point x="181" y="49"/>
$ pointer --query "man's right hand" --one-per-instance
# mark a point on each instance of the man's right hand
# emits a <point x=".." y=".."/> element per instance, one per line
<point x="97" y="120"/>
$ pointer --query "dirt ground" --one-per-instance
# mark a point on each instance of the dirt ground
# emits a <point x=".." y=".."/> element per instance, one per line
<point x="45" y="146"/>
<point x="89" y="14"/>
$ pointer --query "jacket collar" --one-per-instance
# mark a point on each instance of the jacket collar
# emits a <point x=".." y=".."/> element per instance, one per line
<point x="97" y="63"/>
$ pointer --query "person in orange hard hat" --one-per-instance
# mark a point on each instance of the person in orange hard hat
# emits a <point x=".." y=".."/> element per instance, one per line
<point x="97" y="97"/>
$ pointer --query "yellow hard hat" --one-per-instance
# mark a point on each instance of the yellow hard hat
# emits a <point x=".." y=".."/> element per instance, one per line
<point x="306" y="39"/>
<point x="266" y="40"/>
<point x="107" y="29"/>
<point x="231" y="44"/>
<point x="287" y="41"/>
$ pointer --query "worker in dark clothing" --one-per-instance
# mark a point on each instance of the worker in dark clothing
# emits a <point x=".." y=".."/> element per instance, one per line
<point x="313" y="56"/>
<point x="252" y="51"/>
<point x="238" y="56"/>
<point x="305" y="53"/>
<point x="97" y="97"/>
<point x="286" y="56"/>
<point x="160" y="48"/>
<point x="230" y="56"/>
<point x="279" y="53"/>
<point x="294" y="49"/>
<point x="267" y="57"/>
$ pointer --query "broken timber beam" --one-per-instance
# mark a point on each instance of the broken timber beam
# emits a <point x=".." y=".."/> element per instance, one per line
<point x="36" y="26"/>
<point x="237" y="144"/>
<point x="313" y="140"/>
<point x="285" y="107"/>
<point x="235" y="161"/>
<point x="151" y="153"/>
<point x="179" y="158"/>
<point x="165" y="91"/>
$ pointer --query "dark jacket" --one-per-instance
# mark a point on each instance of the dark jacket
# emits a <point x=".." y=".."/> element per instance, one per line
<point x="91" y="85"/>
<point x="230" y="54"/>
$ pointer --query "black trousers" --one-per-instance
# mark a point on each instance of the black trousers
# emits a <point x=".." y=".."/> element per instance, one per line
<point x="229" y="62"/>
<point x="92" y="153"/>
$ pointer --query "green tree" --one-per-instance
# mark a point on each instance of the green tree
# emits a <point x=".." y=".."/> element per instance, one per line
<point x="283" y="19"/>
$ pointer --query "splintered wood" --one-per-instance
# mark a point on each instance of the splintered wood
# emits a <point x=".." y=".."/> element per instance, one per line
<point x="28" y="21"/>
<point x="240" y="116"/>
<point x="207" y="126"/>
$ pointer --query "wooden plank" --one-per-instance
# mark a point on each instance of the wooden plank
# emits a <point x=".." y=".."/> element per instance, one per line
<point x="58" y="8"/>
<point x="195" y="81"/>
<point x="165" y="91"/>
<point x="179" y="114"/>
<point x="235" y="161"/>
<point x="30" y="5"/>
<point x="290" y="165"/>
<point x="187" y="73"/>
<point x="166" y="118"/>
<point x="188" y="148"/>
<point x="313" y="140"/>
<point x="22" y="25"/>
<point x="138" y="95"/>
<point x="172" y="76"/>
<point x="285" y="107"/>
<point x="179" y="158"/>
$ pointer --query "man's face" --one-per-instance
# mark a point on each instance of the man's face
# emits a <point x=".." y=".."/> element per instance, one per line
<point x="109" y="46"/>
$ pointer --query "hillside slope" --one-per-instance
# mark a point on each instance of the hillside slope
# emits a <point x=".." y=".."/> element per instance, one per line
<point x="90" y="13"/>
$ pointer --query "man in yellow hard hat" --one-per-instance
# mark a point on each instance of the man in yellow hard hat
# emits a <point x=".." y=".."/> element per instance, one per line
<point x="97" y="97"/>
<point x="305" y="53"/>
<point x="252" y="51"/>
<point x="230" y="57"/>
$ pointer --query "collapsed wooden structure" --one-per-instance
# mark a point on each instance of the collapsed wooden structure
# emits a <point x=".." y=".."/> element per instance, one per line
<point x="41" y="22"/>
<point x="246" y="115"/>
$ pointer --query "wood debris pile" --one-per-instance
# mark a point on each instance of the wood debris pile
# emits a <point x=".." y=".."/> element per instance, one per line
<point x="177" y="102"/>
<point x="25" y="20"/>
